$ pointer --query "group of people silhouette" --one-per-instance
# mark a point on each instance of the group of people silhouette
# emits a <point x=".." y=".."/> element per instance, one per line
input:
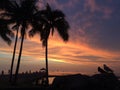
<point x="105" y="69"/>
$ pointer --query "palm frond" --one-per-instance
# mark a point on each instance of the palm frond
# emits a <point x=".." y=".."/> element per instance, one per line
<point x="32" y="32"/>
<point x="5" y="33"/>
<point x="58" y="14"/>
<point x="45" y="34"/>
<point x="48" y="8"/>
<point x="6" y="38"/>
<point x="16" y="27"/>
<point x="62" y="27"/>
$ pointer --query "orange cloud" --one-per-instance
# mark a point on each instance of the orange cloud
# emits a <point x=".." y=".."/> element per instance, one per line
<point x="68" y="52"/>
<point x="75" y="54"/>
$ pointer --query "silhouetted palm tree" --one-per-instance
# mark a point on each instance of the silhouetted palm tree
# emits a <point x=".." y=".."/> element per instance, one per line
<point x="4" y="6"/>
<point x="13" y="57"/>
<point x="22" y="15"/>
<point x="10" y="7"/>
<point x="5" y="32"/>
<point x="51" y="20"/>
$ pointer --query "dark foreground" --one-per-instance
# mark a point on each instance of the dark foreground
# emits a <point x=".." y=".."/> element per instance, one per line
<point x="102" y="81"/>
<point x="105" y="80"/>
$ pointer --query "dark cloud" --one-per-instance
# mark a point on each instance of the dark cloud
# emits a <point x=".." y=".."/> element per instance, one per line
<point x="100" y="24"/>
<point x="104" y="33"/>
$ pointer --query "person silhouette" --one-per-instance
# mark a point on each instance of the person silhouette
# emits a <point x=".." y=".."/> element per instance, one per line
<point x="101" y="70"/>
<point x="2" y="73"/>
<point x="107" y="69"/>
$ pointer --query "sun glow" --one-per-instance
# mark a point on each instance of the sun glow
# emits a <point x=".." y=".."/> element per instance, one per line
<point x="57" y="60"/>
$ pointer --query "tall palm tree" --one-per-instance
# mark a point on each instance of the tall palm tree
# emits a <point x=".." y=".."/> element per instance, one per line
<point x="4" y="5"/>
<point x="10" y="7"/>
<point x="14" y="51"/>
<point x="51" y="20"/>
<point x="22" y="15"/>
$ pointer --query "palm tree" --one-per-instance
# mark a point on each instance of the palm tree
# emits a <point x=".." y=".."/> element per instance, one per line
<point x="22" y="15"/>
<point x="13" y="57"/>
<point x="50" y="20"/>
<point x="4" y="5"/>
<point x="8" y="6"/>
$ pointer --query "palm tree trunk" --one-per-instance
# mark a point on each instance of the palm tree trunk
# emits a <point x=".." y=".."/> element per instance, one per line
<point x="13" y="57"/>
<point x="46" y="55"/>
<point x="19" y="58"/>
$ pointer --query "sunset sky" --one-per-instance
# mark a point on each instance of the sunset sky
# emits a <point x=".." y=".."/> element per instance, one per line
<point x="94" y="40"/>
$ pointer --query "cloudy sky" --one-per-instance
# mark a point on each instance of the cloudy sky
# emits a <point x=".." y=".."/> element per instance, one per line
<point x="94" y="39"/>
